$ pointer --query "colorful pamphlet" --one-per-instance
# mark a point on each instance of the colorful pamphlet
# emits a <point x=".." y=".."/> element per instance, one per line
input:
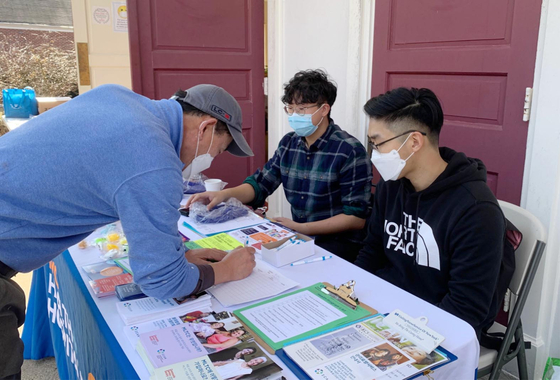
<point x="104" y="277"/>
<point x="366" y="349"/>
<point x="200" y="345"/>
<point x="205" y="324"/>
<point x="298" y="315"/>
<point x="423" y="360"/>
<point x="256" y="236"/>
<point x="245" y="361"/>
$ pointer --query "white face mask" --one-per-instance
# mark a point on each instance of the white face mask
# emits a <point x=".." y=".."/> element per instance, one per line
<point x="389" y="165"/>
<point x="200" y="163"/>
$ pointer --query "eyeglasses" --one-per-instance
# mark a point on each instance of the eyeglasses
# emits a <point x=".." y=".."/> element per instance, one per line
<point x="298" y="110"/>
<point x="376" y="146"/>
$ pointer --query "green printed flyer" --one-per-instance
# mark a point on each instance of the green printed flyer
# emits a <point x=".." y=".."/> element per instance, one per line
<point x="298" y="315"/>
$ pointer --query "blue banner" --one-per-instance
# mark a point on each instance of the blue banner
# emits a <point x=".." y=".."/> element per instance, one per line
<point x="84" y="346"/>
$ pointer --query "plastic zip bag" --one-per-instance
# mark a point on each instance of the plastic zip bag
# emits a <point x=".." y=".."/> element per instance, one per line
<point x="229" y="210"/>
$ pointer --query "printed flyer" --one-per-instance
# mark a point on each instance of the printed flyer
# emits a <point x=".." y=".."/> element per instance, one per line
<point x="355" y="352"/>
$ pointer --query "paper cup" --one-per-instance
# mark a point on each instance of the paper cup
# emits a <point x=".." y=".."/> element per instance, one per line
<point x="214" y="184"/>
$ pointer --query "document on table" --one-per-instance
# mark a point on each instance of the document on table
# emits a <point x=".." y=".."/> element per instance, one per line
<point x="264" y="282"/>
<point x="292" y="315"/>
<point x="301" y="314"/>
<point x="221" y="241"/>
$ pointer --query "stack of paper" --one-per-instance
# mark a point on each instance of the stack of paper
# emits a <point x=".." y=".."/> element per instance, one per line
<point x="145" y="309"/>
<point x="200" y="346"/>
<point x="246" y="361"/>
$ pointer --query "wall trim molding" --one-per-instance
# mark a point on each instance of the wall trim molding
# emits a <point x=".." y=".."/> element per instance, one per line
<point x="37" y="27"/>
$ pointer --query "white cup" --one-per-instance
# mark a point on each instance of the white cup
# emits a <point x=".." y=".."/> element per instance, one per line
<point x="214" y="184"/>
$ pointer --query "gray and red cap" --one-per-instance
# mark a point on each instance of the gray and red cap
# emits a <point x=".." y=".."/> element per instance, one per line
<point x="218" y="103"/>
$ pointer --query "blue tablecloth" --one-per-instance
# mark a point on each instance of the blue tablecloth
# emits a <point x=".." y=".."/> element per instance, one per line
<point x="63" y="321"/>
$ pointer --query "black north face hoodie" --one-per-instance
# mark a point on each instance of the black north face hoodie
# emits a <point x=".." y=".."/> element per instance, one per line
<point x="443" y="244"/>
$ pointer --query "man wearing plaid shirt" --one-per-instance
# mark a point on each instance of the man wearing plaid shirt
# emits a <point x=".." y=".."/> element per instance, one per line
<point x="325" y="171"/>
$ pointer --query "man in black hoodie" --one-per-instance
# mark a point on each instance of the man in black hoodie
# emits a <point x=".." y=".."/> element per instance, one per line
<point x="436" y="229"/>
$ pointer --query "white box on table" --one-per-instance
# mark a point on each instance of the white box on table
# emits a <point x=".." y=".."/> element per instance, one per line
<point x="288" y="254"/>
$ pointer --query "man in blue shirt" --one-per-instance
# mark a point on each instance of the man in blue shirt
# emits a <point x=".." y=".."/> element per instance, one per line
<point x="325" y="171"/>
<point x="109" y="155"/>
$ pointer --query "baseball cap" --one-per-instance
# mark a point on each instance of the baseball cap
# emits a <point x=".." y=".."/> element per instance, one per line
<point x="218" y="103"/>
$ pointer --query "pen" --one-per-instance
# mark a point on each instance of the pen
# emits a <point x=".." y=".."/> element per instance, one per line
<point x="322" y="258"/>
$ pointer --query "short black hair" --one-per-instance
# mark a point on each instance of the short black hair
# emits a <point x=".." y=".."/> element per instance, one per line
<point x="189" y="109"/>
<point x="413" y="105"/>
<point x="310" y="86"/>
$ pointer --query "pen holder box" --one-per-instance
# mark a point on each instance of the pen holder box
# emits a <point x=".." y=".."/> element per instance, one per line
<point x="289" y="254"/>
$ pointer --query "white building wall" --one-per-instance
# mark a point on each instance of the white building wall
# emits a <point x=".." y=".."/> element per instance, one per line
<point x="541" y="190"/>
<point x="333" y="35"/>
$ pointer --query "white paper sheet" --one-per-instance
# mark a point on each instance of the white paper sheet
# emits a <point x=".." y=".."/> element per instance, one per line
<point x="264" y="282"/>
<point x="292" y="315"/>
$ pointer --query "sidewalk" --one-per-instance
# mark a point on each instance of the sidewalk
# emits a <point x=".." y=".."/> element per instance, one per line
<point x="35" y="369"/>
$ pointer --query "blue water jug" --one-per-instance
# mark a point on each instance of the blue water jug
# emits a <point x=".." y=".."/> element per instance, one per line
<point x="20" y="103"/>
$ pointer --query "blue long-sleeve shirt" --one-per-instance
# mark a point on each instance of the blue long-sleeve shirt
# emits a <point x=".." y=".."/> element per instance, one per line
<point x="106" y="155"/>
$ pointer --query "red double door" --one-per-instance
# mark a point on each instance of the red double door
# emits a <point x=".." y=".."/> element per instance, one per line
<point x="478" y="56"/>
<point x="178" y="44"/>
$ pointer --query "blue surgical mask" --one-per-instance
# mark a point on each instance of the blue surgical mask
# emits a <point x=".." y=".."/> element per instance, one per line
<point x="303" y="124"/>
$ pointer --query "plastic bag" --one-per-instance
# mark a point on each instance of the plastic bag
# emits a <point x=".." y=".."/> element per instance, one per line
<point x="552" y="369"/>
<point x="112" y="242"/>
<point x="195" y="184"/>
<point x="232" y="209"/>
<point x="19" y="103"/>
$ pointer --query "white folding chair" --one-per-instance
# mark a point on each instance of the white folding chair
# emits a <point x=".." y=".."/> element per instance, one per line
<point x="527" y="258"/>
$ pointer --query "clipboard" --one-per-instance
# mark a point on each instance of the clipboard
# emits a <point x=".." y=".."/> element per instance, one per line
<point x="336" y="295"/>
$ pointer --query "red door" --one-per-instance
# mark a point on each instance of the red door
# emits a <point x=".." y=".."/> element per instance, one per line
<point x="478" y="56"/>
<point x="178" y="44"/>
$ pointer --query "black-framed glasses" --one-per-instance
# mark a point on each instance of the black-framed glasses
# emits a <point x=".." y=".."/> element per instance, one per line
<point x="376" y="146"/>
<point x="298" y="110"/>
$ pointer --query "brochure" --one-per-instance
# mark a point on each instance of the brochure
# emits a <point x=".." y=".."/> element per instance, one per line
<point x="260" y="234"/>
<point x="104" y="277"/>
<point x="352" y="352"/>
<point x="145" y="309"/>
<point x="204" y="324"/>
<point x="211" y="345"/>
<point x="367" y="349"/>
<point x="245" y="361"/>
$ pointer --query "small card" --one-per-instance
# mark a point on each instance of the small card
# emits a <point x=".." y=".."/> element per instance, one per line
<point x="414" y="330"/>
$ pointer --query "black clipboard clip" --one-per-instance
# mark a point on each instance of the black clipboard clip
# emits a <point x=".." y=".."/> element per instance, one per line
<point x="344" y="293"/>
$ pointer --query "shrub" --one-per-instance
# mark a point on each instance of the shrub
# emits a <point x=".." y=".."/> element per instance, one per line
<point x="50" y="70"/>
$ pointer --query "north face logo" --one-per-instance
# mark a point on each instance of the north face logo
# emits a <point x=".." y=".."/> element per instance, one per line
<point x="221" y="112"/>
<point x="401" y="239"/>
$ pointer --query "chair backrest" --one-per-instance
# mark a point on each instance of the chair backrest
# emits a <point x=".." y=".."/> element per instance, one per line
<point x="533" y="231"/>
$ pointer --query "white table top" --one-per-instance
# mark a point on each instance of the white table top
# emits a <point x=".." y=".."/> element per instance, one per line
<point x="460" y="338"/>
